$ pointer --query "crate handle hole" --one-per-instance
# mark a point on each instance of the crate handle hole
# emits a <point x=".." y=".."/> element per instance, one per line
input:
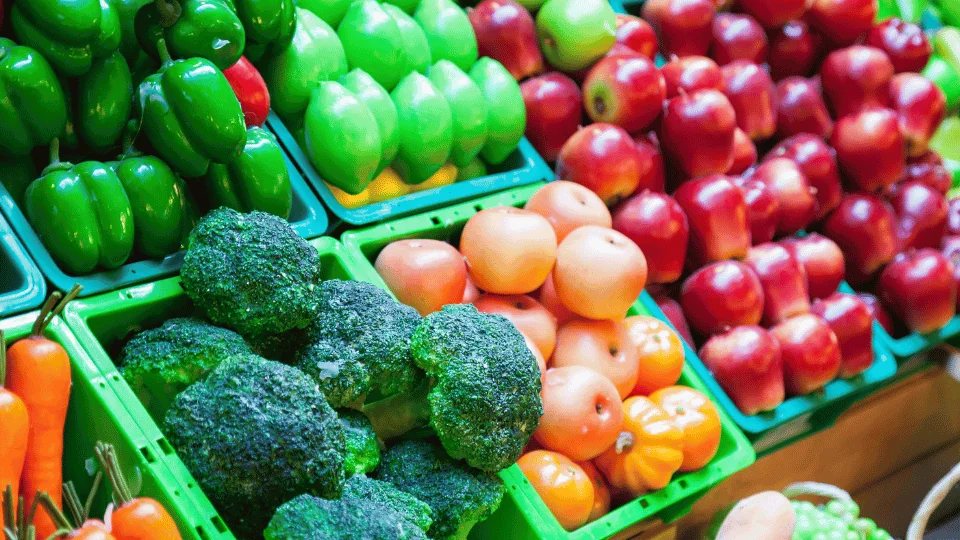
<point x="218" y="524"/>
<point x="644" y="504"/>
<point x="165" y="446"/>
<point x="202" y="533"/>
<point x="435" y="220"/>
<point x="683" y="483"/>
<point x="148" y="455"/>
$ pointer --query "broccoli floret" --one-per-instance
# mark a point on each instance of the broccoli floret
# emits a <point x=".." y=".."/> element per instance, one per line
<point x="459" y="496"/>
<point x="359" y="343"/>
<point x="411" y="508"/>
<point x="362" y="448"/>
<point x="251" y="272"/>
<point x="484" y="397"/>
<point x="160" y="363"/>
<point x="311" y="518"/>
<point x="256" y="433"/>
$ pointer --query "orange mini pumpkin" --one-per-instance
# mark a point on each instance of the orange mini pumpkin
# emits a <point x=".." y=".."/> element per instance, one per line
<point x="562" y="484"/>
<point x="660" y="353"/>
<point x="647" y="452"/>
<point x="697" y="418"/>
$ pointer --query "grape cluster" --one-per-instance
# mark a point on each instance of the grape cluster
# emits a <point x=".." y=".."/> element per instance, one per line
<point x="837" y="520"/>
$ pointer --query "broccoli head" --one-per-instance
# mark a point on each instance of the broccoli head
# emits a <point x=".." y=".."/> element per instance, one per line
<point x="162" y="362"/>
<point x="256" y="433"/>
<point x="311" y="518"/>
<point x="483" y="398"/>
<point x="362" y="448"/>
<point x="460" y="496"/>
<point x="411" y="508"/>
<point x="359" y="343"/>
<point x="251" y="272"/>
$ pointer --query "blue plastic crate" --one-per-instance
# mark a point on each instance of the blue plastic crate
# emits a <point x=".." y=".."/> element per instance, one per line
<point x="22" y="287"/>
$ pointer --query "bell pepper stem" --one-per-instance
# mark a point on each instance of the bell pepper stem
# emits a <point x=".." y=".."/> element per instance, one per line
<point x="170" y="11"/>
<point x="164" y="52"/>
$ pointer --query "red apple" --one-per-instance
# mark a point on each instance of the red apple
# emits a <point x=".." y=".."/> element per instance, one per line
<point x="752" y="94"/>
<point x="810" y="352"/>
<point x="800" y="109"/>
<point x="905" y="43"/>
<point x="717" y="215"/>
<point x="738" y="37"/>
<point x="653" y="177"/>
<point x="707" y="117"/>
<point x="823" y="263"/>
<point x="856" y="78"/>
<point x="553" y="106"/>
<point x="783" y="280"/>
<point x="794" y="50"/>
<point x="746" y="362"/>
<point x="870" y="149"/>
<point x="877" y="311"/>
<point x="773" y="13"/>
<point x="921" y="215"/>
<point x="624" y="91"/>
<point x="744" y="153"/>
<point x="722" y="296"/>
<point x="953" y="217"/>
<point x="951" y="250"/>
<point x="763" y="209"/>
<point x="793" y="192"/>
<point x="863" y="227"/>
<point x="636" y="34"/>
<point x="842" y="22"/>
<point x="852" y="323"/>
<point x="683" y="26"/>
<point x="935" y="175"/>
<point x="920" y="106"/>
<point x="818" y="164"/>
<point x="506" y="32"/>
<point x="604" y="158"/>
<point x="920" y="289"/>
<point x="618" y="49"/>
<point x="657" y="224"/>
<point x="674" y="313"/>
<point x="691" y="73"/>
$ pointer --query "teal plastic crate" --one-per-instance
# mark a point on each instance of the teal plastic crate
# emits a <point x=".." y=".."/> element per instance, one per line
<point x="524" y="166"/>
<point x="307" y="217"/>
<point x="21" y="285"/>
<point x="103" y="324"/>
<point x="523" y="514"/>
<point x="95" y="413"/>
<point x="797" y="417"/>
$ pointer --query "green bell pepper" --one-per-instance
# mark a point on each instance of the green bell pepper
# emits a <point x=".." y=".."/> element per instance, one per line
<point x="207" y="29"/>
<point x="161" y="213"/>
<point x="190" y="115"/>
<point x="98" y="105"/>
<point x="127" y="11"/>
<point x="71" y="35"/>
<point x="257" y="180"/>
<point x="268" y="22"/>
<point x="81" y="214"/>
<point x="33" y="110"/>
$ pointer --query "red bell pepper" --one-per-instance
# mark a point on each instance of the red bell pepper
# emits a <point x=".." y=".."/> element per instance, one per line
<point x="250" y="90"/>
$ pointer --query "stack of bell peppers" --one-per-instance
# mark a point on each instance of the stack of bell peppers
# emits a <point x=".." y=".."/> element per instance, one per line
<point x="132" y="92"/>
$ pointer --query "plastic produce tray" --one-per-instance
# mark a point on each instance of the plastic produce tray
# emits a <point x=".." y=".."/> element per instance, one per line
<point x="96" y="414"/>
<point x="524" y="166"/>
<point x="21" y="285"/>
<point x="523" y="514"/>
<point x="307" y="217"/>
<point x="799" y="416"/>
<point x="103" y="324"/>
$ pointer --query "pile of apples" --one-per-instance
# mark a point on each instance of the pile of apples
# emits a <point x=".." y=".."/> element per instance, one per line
<point x="768" y="121"/>
<point x="615" y="423"/>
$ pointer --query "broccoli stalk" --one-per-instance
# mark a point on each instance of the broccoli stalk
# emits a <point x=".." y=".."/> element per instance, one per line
<point x="483" y="394"/>
<point x="362" y="447"/>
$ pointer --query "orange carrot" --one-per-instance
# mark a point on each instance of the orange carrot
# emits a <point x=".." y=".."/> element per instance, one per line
<point x="38" y="370"/>
<point x="14" y="430"/>
<point x="139" y="518"/>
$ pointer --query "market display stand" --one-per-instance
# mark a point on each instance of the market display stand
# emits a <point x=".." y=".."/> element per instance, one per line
<point x="886" y="451"/>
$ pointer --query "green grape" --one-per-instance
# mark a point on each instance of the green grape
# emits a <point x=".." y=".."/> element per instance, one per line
<point x="848" y="519"/>
<point x="865" y="526"/>
<point x="820" y="536"/>
<point x="879" y="534"/>
<point x="853" y="535"/>
<point x="836" y="534"/>
<point x="805" y="506"/>
<point x="836" y="508"/>
<point x="852" y="507"/>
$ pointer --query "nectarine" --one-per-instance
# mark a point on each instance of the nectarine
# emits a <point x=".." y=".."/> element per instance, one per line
<point x="424" y="274"/>
<point x="508" y="250"/>
<point x="568" y="205"/>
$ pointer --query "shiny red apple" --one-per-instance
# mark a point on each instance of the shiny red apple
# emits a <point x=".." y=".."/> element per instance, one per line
<point x="864" y="227"/>
<point x="752" y="93"/>
<point x="507" y="33"/>
<point x="852" y="323"/>
<point x="717" y="216"/>
<point x="920" y="106"/>
<point x="842" y="22"/>
<point x="746" y="362"/>
<point x="636" y="34"/>
<point x="905" y="43"/>
<point x="624" y="91"/>
<point x="707" y="117"/>
<point x="783" y="279"/>
<point x="722" y="296"/>
<point x="793" y="192"/>
<point x="652" y="177"/>
<point x="801" y="109"/>
<point x="818" y="164"/>
<point x="823" y="263"/>
<point x="951" y="250"/>
<point x="683" y="26"/>
<point x="674" y="313"/>
<point x="877" y="311"/>
<point x="935" y="175"/>
<point x="744" y="153"/>
<point x="920" y="289"/>
<point x="810" y="352"/>
<point x="763" y="209"/>
<point x="553" y="104"/>
<point x="953" y="217"/>
<point x="921" y="215"/>
<point x="691" y="73"/>
<point x="604" y="158"/>
<point x="774" y="13"/>
<point x="794" y="50"/>
<point x="657" y="224"/>
<point x="856" y="78"/>
<point x="738" y="37"/>
<point x="870" y="149"/>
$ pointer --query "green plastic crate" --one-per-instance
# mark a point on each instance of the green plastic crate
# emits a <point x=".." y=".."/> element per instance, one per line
<point x="523" y="514"/>
<point x="103" y="323"/>
<point x="21" y="285"/>
<point x="307" y="217"/>
<point x="96" y="414"/>
<point x="524" y="166"/>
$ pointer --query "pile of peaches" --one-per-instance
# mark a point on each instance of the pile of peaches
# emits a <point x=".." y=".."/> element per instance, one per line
<point x="616" y="425"/>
